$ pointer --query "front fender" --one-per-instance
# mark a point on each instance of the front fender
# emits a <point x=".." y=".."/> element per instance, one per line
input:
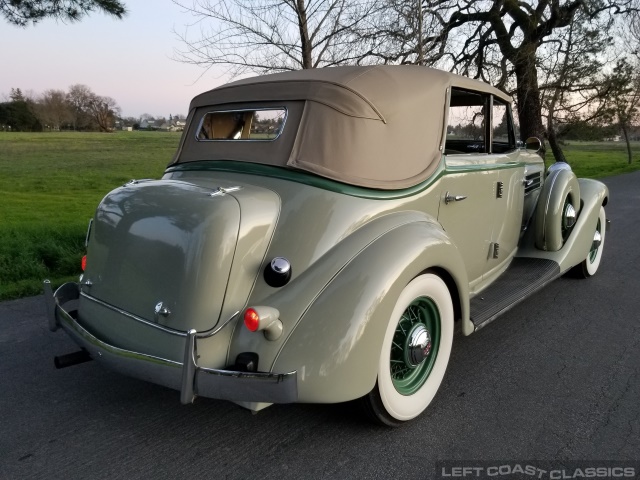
<point x="594" y="194"/>
<point x="562" y="186"/>
<point x="336" y="345"/>
<point x="575" y="249"/>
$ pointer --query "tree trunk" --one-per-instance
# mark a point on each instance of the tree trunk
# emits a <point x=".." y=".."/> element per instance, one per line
<point x="558" y="154"/>
<point x="305" y="43"/>
<point x="625" y="132"/>
<point x="528" y="95"/>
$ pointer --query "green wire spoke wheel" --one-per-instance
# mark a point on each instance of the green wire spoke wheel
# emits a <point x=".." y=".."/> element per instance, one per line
<point x="415" y="345"/>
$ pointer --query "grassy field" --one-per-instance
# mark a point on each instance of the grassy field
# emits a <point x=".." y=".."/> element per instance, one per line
<point x="599" y="159"/>
<point x="51" y="183"/>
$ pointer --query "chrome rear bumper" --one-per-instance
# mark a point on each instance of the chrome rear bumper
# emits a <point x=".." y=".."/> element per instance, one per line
<point x="187" y="377"/>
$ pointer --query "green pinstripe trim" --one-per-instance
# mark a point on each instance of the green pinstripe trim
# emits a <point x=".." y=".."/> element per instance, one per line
<point x="325" y="183"/>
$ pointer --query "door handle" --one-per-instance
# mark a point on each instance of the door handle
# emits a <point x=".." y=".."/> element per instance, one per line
<point x="448" y="198"/>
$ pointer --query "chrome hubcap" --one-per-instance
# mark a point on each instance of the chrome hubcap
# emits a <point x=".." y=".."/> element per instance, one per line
<point x="418" y="345"/>
<point x="597" y="240"/>
<point x="569" y="217"/>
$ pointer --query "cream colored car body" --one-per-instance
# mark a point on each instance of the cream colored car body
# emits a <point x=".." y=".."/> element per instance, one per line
<point x="187" y="254"/>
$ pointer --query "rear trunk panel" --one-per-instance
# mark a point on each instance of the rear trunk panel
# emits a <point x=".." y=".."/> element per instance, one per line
<point x="164" y="245"/>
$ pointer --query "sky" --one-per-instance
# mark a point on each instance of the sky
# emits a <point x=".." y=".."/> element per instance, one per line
<point x="129" y="59"/>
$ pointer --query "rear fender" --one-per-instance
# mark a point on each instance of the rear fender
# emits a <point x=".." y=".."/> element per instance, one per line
<point x="335" y="347"/>
<point x="296" y="297"/>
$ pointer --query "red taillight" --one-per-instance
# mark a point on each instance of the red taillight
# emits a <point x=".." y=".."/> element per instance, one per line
<point x="83" y="263"/>
<point x="251" y="319"/>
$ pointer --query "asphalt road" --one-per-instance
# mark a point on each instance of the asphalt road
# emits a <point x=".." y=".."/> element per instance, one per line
<point x="555" y="378"/>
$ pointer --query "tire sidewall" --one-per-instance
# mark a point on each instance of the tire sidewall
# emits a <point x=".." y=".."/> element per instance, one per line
<point x="592" y="267"/>
<point x="405" y="407"/>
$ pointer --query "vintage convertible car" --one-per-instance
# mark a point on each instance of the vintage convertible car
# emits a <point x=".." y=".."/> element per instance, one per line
<point x="317" y="236"/>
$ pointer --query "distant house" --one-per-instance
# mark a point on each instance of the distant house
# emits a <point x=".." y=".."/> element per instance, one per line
<point x="172" y="125"/>
<point x="148" y="124"/>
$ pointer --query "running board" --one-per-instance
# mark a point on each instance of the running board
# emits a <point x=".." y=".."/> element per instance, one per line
<point x="524" y="277"/>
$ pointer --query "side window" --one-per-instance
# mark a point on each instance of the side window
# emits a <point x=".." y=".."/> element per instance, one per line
<point x="503" y="138"/>
<point x="466" y="126"/>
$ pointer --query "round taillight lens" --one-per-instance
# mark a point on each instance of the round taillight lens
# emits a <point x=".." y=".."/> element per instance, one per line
<point x="251" y="319"/>
<point x="83" y="263"/>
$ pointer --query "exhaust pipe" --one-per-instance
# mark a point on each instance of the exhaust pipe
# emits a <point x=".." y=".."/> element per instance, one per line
<point x="71" y="359"/>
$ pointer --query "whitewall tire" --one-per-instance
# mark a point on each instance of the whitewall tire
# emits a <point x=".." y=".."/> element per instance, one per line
<point x="589" y="265"/>
<point x="415" y="352"/>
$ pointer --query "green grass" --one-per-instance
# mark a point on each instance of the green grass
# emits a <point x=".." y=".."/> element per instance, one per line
<point x="599" y="159"/>
<point x="51" y="183"/>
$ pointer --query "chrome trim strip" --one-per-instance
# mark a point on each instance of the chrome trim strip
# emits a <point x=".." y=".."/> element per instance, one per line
<point x="172" y="331"/>
<point x="211" y="333"/>
<point x="132" y="316"/>
<point x="86" y="238"/>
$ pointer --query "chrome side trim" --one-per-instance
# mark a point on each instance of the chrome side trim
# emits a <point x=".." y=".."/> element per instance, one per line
<point x="188" y="378"/>
<point x="132" y="316"/>
<point x="210" y="333"/>
<point x="172" y="331"/>
<point x="86" y="238"/>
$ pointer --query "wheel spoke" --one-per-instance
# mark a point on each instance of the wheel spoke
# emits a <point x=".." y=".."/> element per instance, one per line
<point x="407" y="377"/>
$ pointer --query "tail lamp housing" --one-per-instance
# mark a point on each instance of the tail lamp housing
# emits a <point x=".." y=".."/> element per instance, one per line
<point x="266" y="319"/>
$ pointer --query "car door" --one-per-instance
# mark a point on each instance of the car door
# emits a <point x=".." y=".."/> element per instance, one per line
<point x="482" y="192"/>
<point x="467" y="188"/>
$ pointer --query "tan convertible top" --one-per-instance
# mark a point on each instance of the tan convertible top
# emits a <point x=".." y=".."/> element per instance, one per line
<point x="377" y="126"/>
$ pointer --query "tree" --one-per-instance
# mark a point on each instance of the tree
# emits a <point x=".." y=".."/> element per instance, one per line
<point x="53" y="110"/>
<point x="593" y="130"/>
<point x="104" y="111"/>
<point x="623" y="89"/>
<point x="571" y="62"/>
<point x="24" y="12"/>
<point x="17" y="114"/>
<point x="16" y="95"/>
<point x="79" y="97"/>
<point x="495" y="41"/>
<point x="262" y="36"/>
